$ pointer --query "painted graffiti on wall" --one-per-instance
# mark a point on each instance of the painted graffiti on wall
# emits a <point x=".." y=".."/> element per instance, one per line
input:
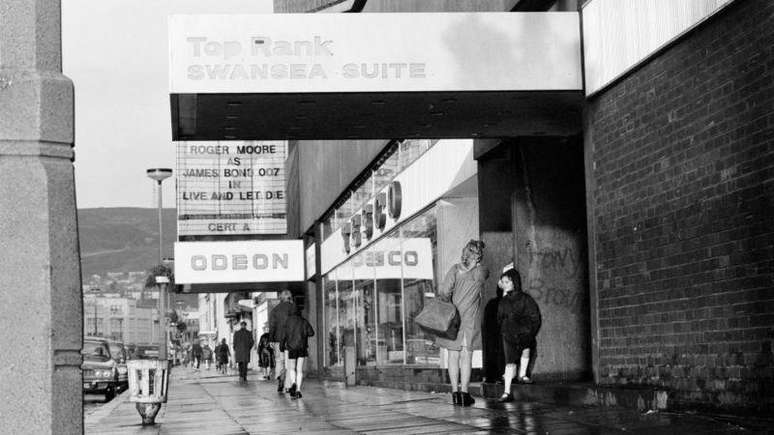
<point x="553" y="295"/>
<point x="553" y="276"/>
<point x="554" y="260"/>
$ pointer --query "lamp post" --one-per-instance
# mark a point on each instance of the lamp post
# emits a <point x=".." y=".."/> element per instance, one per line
<point x="161" y="174"/>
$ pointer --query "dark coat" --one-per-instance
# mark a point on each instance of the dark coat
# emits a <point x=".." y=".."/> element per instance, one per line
<point x="277" y="318"/>
<point x="222" y="353"/>
<point x="243" y="342"/>
<point x="265" y="352"/>
<point x="196" y="350"/>
<point x="492" y="341"/>
<point x="518" y="316"/>
<point x="298" y="330"/>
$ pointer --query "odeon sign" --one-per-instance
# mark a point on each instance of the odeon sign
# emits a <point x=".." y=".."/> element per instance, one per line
<point x="239" y="261"/>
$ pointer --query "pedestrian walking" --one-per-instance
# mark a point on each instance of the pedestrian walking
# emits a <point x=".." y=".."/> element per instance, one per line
<point x="277" y="319"/>
<point x="265" y="354"/>
<point x="519" y="319"/>
<point x="243" y="343"/>
<point x="222" y="353"/>
<point x="207" y="355"/>
<point x="463" y="284"/>
<point x="298" y="330"/>
<point x="196" y="352"/>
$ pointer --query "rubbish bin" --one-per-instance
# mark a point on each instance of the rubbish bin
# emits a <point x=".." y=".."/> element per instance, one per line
<point x="148" y="384"/>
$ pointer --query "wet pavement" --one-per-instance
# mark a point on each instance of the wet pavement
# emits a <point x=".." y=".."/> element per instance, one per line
<point x="202" y="402"/>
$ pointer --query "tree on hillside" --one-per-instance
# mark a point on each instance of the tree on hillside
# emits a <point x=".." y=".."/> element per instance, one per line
<point x="159" y="270"/>
<point x="150" y="282"/>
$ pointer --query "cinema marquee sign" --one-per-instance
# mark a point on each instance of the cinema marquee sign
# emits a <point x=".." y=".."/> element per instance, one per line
<point x="239" y="261"/>
<point x="231" y="187"/>
<point x="298" y="53"/>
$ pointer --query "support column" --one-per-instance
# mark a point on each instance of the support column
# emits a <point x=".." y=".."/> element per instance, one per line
<point x="40" y="290"/>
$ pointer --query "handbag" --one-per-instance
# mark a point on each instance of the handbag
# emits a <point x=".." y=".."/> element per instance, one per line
<point x="439" y="318"/>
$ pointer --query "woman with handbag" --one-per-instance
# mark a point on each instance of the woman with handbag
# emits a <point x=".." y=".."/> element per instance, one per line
<point x="463" y="285"/>
<point x="519" y="318"/>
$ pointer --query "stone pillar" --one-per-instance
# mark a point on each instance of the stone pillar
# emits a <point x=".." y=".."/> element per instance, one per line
<point x="41" y="306"/>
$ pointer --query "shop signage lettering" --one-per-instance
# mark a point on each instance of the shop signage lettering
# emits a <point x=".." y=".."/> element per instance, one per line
<point x="395" y="200"/>
<point x="390" y="258"/>
<point x="238" y="262"/>
<point x="328" y="53"/>
<point x="235" y="187"/>
<point x="263" y="47"/>
<point x="361" y="224"/>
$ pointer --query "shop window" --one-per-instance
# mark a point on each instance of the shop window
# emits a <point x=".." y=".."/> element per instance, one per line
<point x="387" y="170"/>
<point x="343" y="213"/>
<point x="411" y="149"/>
<point x="327" y="224"/>
<point x="365" y="309"/>
<point x="386" y="258"/>
<point x="347" y="312"/>
<point x="331" y="326"/>
<point x="363" y="193"/>
<point x="419" y="235"/>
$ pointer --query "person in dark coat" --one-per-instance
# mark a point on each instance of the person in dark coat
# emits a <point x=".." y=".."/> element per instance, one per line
<point x="519" y="319"/>
<point x="265" y="354"/>
<point x="277" y="318"/>
<point x="222" y="353"/>
<point x="492" y="341"/>
<point x="196" y="353"/>
<point x="243" y="343"/>
<point x="297" y="332"/>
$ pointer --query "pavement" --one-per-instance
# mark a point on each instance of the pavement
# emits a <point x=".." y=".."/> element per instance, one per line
<point x="204" y="402"/>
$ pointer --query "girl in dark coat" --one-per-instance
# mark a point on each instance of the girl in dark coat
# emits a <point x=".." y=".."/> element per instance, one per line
<point x="519" y="319"/>
<point x="297" y="332"/>
<point x="265" y="354"/>
<point x="222" y="353"/>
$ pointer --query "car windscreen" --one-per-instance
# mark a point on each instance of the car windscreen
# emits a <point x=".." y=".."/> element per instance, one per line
<point x="116" y="351"/>
<point x="95" y="351"/>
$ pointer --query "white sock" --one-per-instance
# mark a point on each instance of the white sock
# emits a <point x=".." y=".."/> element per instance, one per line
<point x="523" y="366"/>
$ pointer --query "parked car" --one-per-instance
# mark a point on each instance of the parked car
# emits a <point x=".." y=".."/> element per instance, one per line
<point x="100" y="371"/>
<point x="118" y="353"/>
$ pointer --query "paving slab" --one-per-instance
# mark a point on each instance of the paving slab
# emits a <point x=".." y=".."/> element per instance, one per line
<point x="214" y="404"/>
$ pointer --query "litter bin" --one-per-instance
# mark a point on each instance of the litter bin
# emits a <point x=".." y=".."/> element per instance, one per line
<point x="148" y="384"/>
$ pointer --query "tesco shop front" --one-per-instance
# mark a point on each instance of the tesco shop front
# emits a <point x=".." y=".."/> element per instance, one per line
<point x="383" y="132"/>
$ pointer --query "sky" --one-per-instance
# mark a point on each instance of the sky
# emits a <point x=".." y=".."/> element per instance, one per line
<point x="116" y="53"/>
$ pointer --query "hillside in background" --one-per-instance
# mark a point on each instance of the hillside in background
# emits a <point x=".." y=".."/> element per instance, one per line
<point x="123" y="239"/>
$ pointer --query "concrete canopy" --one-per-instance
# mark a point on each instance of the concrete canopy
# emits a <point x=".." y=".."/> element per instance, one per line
<point x="375" y="115"/>
<point x="353" y="76"/>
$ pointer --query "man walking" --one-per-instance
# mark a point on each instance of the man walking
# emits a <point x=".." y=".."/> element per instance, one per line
<point x="243" y="342"/>
<point x="196" y="352"/>
<point x="277" y="319"/>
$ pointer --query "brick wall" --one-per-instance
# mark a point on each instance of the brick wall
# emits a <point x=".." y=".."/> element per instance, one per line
<point x="680" y="155"/>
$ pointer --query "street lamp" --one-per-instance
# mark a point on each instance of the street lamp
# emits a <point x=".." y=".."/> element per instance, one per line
<point x="162" y="282"/>
<point x="161" y="174"/>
